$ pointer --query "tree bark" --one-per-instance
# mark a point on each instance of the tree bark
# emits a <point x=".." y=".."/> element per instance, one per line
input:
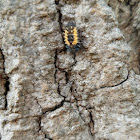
<point x="49" y="93"/>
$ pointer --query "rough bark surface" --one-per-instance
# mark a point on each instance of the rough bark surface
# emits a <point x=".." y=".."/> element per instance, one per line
<point x="128" y="15"/>
<point x="47" y="93"/>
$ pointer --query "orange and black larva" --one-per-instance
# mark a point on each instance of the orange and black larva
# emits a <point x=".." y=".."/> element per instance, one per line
<point x="71" y="37"/>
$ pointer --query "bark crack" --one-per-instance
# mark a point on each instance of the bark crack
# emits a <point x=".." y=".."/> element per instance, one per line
<point x="6" y="78"/>
<point x="67" y="77"/>
<point x="47" y="136"/>
<point x="55" y="74"/>
<point x="91" y="124"/>
<point x="6" y="91"/>
<point x="118" y="83"/>
<point x="40" y="129"/>
<point x="39" y="123"/>
<point x="55" y="60"/>
<point x="55" y="107"/>
<point x="58" y="7"/>
<point x="76" y="101"/>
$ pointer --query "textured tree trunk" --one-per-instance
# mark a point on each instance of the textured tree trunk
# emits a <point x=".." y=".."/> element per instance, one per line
<point x="48" y="93"/>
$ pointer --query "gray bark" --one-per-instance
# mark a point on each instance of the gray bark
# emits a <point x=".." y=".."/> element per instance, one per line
<point x="48" y="93"/>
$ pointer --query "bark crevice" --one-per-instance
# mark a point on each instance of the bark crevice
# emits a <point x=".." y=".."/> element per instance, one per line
<point x="47" y="136"/>
<point x="5" y="78"/>
<point x="123" y="81"/>
<point x="39" y="124"/>
<point x="6" y="91"/>
<point x="58" y="7"/>
<point x="91" y="124"/>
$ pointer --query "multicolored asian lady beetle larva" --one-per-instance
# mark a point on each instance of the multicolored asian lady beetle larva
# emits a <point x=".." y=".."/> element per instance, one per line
<point x="71" y="37"/>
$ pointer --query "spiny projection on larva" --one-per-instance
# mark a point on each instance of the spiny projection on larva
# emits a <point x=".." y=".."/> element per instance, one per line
<point x="71" y="37"/>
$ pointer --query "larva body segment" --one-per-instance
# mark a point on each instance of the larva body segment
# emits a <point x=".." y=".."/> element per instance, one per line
<point x="71" y="37"/>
